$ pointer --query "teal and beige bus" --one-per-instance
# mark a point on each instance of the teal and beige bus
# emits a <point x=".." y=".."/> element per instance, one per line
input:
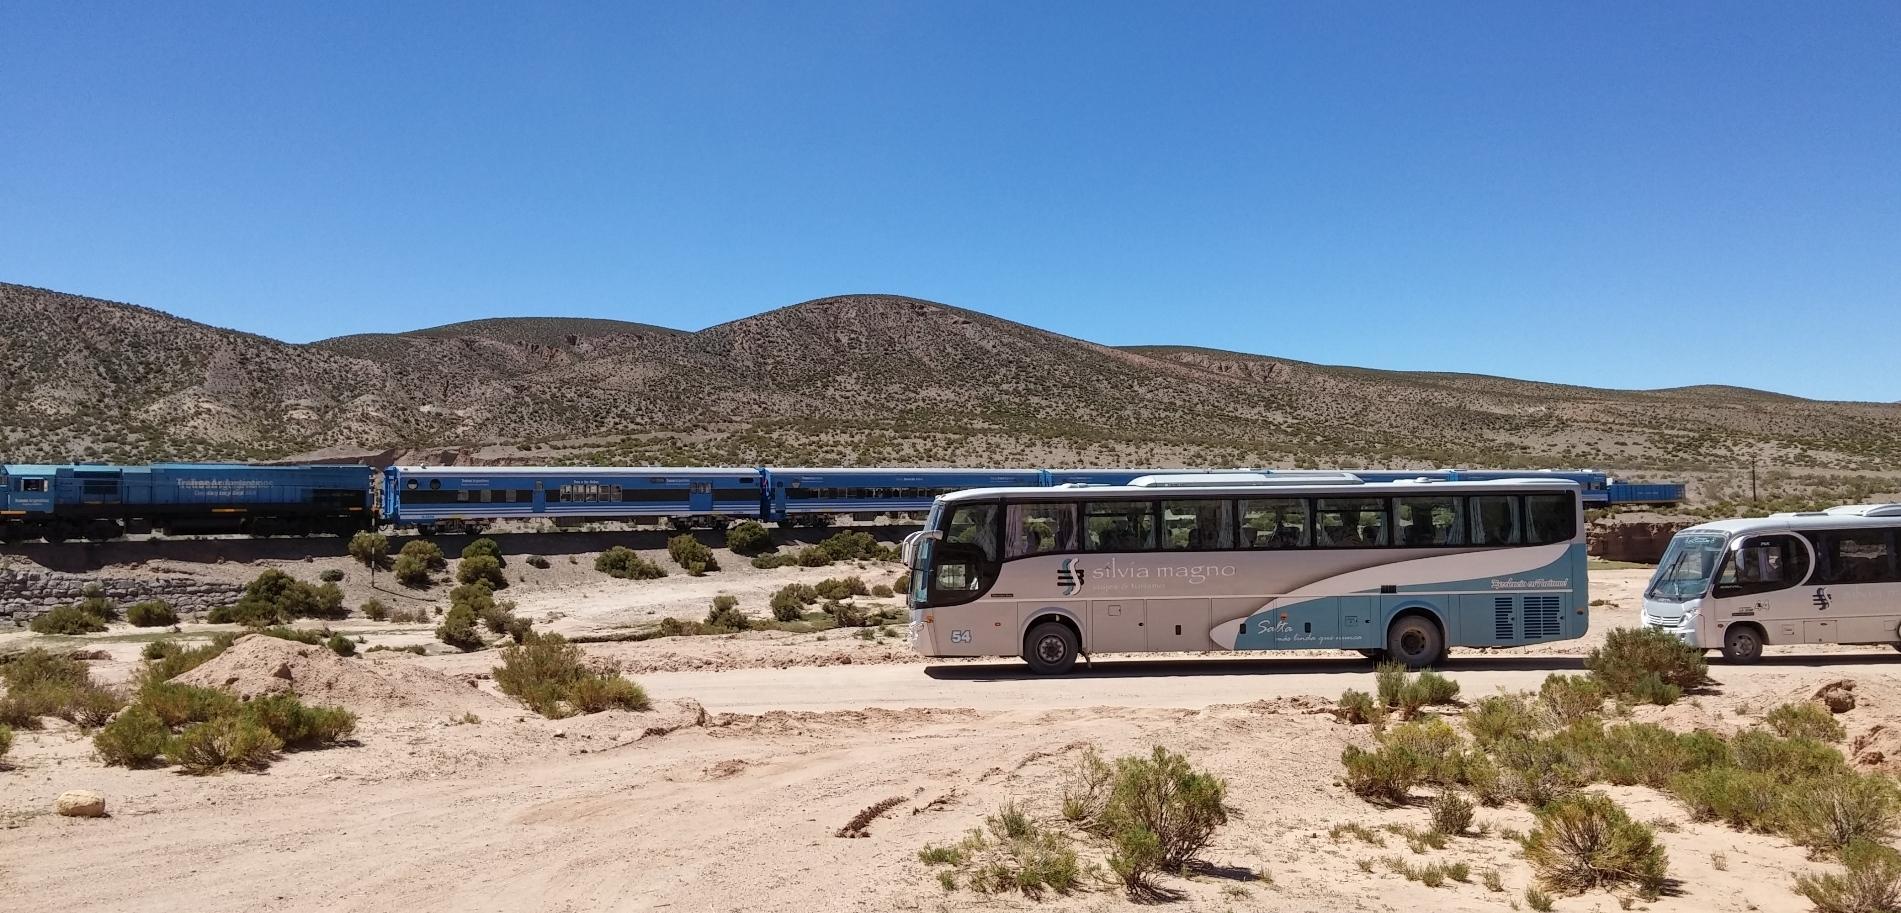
<point x="1248" y="561"/>
<point x="1822" y="577"/>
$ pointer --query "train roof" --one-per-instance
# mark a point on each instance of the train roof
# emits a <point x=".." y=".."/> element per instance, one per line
<point x="895" y="470"/>
<point x="580" y="470"/>
<point x="1258" y="485"/>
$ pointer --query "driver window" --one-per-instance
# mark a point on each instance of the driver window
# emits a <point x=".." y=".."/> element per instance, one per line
<point x="1765" y="563"/>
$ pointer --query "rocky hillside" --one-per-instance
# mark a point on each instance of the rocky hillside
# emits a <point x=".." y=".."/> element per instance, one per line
<point x="854" y="379"/>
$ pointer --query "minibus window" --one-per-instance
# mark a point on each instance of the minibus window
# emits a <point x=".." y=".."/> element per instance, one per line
<point x="1762" y="564"/>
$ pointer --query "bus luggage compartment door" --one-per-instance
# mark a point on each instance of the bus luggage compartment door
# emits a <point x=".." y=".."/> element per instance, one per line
<point x="1179" y="624"/>
<point x="1118" y="626"/>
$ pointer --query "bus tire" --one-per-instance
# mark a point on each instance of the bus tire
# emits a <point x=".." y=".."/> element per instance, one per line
<point x="1415" y="641"/>
<point x="1051" y="648"/>
<point x="1742" y="644"/>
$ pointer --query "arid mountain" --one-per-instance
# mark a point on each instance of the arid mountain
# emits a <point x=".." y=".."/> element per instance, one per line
<point x="869" y="379"/>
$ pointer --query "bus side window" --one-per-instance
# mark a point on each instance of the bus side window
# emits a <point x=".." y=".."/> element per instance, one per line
<point x="1275" y="523"/>
<point x="1428" y="521"/>
<point x="1763" y="564"/>
<point x="1037" y="529"/>
<point x="1854" y="556"/>
<point x="1550" y="519"/>
<point x="1197" y="525"/>
<point x="1495" y="520"/>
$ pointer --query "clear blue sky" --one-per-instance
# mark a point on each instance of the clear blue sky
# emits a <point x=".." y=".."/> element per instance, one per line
<point x="1631" y="195"/>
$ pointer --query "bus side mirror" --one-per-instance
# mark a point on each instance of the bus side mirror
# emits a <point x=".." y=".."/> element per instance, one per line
<point x="909" y="549"/>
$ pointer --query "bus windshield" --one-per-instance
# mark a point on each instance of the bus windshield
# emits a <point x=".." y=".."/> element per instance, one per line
<point x="1684" y="573"/>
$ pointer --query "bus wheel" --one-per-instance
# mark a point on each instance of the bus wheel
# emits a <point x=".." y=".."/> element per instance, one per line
<point x="1742" y="644"/>
<point x="1415" y="641"/>
<point x="1051" y="648"/>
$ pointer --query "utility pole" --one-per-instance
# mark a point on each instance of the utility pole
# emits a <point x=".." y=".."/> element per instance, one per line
<point x="1752" y="481"/>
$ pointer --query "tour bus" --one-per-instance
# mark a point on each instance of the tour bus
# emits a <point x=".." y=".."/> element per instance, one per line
<point x="1821" y="577"/>
<point x="1248" y="561"/>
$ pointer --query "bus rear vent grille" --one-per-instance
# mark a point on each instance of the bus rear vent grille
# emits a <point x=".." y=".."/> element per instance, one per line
<point x="1541" y="617"/>
<point x="1502" y="613"/>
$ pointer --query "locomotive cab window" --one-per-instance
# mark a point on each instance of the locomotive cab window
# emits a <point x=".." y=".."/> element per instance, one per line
<point x="33" y="485"/>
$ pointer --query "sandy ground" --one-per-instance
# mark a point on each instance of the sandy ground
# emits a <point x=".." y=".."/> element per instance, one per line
<point x="733" y="807"/>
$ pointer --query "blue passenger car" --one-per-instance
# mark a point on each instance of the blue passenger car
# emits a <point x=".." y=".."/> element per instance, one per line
<point x="470" y="496"/>
<point x="815" y="495"/>
<point x="97" y="501"/>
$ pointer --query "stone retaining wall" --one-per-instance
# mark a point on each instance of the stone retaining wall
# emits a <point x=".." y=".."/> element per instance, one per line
<point x="24" y="595"/>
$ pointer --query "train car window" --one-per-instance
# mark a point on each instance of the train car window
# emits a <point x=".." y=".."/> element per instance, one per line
<point x="33" y="485"/>
<point x="412" y="485"/>
<point x="435" y="484"/>
<point x="462" y="496"/>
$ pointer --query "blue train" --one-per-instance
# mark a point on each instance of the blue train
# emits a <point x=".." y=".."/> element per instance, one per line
<point x="57" y="503"/>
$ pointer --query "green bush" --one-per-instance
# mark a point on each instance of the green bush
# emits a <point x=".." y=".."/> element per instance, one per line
<point x="1427" y="689"/>
<point x="769" y="561"/>
<point x="883" y="592"/>
<point x="275" y="597"/>
<point x="1805" y="720"/>
<point x="856" y="546"/>
<point x="69" y="620"/>
<point x="1533" y="771"/>
<point x="6" y="742"/>
<point x="225" y="743"/>
<point x="179" y="661"/>
<point x="331" y="575"/>
<point x="159" y="649"/>
<point x="788" y="604"/>
<point x="840" y="588"/>
<point x="1495" y="718"/>
<point x="1164" y="799"/>
<point x="1744" y="799"/>
<point x="1434" y="746"/>
<point x="458" y="628"/>
<point x="369" y="548"/>
<point x="1870" y="882"/>
<point x="1571" y="698"/>
<point x="483" y="548"/>
<point x="40" y="666"/>
<point x="748" y="537"/>
<point x="1359" y="707"/>
<point x="295" y="725"/>
<point x="1829" y="814"/>
<point x="152" y="613"/>
<point x="177" y="705"/>
<point x="624" y="563"/>
<point x="1652" y="689"/>
<point x="1451" y="814"/>
<point x="691" y="553"/>
<point x="813" y="556"/>
<point x="294" y="634"/>
<point x="1391" y="680"/>
<point x="483" y="568"/>
<point x="1628" y="655"/>
<point x="726" y="614"/>
<point x="411" y="571"/>
<point x="1585" y="841"/>
<point x="41" y="683"/>
<point x="847" y="615"/>
<point x="1790" y="759"/>
<point x="374" y="610"/>
<point x="135" y="738"/>
<point x="341" y="645"/>
<point x="426" y="552"/>
<point x="1643" y="754"/>
<point x="1381" y="776"/>
<point x="552" y="678"/>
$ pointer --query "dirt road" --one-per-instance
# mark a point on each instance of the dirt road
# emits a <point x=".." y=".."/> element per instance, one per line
<point x="1005" y="685"/>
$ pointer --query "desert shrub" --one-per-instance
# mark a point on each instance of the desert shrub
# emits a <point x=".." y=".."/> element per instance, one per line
<point x="275" y="597"/>
<point x="1451" y="815"/>
<point x="1643" y="754"/>
<point x="483" y="548"/>
<point x="882" y="592"/>
<point x="1805" y="720"/>
<point x="1382" y="776"/>
<point x="769" y="561"/>
<point x="426" y="552"/>
<point x="552" y="678"/>
<point x="231" y="742"/>
<point x="458" y="628"/>
<point x="1497" y="717"/>
<point x="1429" y="689"/>
<point x="689" y="552"/>
<point x="299" y="635"/>
<point x="1390" y="679"/>
<point x="1870" y="882"/>
<point x="39" y="666"/>
<point x="538" y="562"/>
<point x="41" y="683"/>
<point x="1652" y="689"/>
<point x="341" y="645"/>
<point x="623" y="562"/>
<point x="726" y="614"/>
<point x="177" y="705"/>
<point x="1359" y="707"/>
<point x="1585" y="841"/>
<point x="788" y="604"/>
<point x="331" y="575"/>
<point x="1533" y="771"/>
<point x="840" y="588"/>
<point x="1829" y="814"/>
<point x="483" y="568"/>
<point x="159" y="649"/>
<point x="177" y="661"/>
<point x="369" y="549"/>
<point x="1434" y="747"/>
<point x="1570" y="698"/>
<point x="855" y="546"/>
<point x="6" y="742"/>
<point x="813" y="556"/>
<point x="1086" y="787"/>
<point x="1480" y="774"/>
<point x="518" y="628"/>
<point x="748" y="537"/>
<point x="847" y="615"/>
<point x="296" y="725"/>
<point x="1628" y="655"/>
<point x="90" y="706"/>
<point x="68" y="619"/>
<point x="135" y="738"/>
<point x="1157" y="811"/>
<point x="1538" y="900"/>
<point x="152" y="613"/>
<point x="374" y="610"/>
<point x="1743" y="799"/>
<point x="410" y="571"/>
<point x="1790" y="759"/>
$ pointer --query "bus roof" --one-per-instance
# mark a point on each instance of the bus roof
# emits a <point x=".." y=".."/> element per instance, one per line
<point x="1847" y="516"/>
<point x="1257" y="490"/>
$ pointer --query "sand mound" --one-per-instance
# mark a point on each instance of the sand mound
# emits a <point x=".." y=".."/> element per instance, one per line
<point x="368" y="686"/>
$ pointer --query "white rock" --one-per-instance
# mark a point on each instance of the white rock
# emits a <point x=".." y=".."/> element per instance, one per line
<point x="80" y="803"/>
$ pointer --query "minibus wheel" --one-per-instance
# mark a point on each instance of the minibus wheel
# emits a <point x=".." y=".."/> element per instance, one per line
<point x="1051" y="648"/>
<point x="1415" y="641"/>
<point x="1742" y="644"/>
